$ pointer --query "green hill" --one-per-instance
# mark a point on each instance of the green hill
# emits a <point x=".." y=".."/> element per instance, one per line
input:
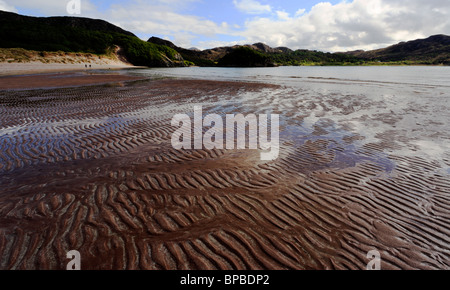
<point x="259" y="54"/>
<point x="432" y="50"/>
<point x="75" y="34"/>
<point x="308" y="57"/>
<point x="245" y="57"/>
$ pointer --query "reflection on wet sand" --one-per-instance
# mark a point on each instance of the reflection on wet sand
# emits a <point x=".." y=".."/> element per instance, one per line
<point x="92" y="169"/>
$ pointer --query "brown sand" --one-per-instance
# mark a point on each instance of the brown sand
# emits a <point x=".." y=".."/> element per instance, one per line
<point x="91" y="169"/>
<point x="60" y="80"/>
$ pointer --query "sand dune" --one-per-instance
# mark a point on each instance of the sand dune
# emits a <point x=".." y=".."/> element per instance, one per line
<point x="17" y="61"/>
<point x="92" y="169"/>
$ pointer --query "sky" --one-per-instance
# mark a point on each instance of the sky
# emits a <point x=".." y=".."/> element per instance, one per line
<point x="334" y="25"/>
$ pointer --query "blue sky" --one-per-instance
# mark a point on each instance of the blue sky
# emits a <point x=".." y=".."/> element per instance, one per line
<point x="333" y="25"/>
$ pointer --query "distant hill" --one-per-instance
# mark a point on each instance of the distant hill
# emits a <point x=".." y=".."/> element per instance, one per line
<point x="195" y="57"/>
<point x="432" y="50"/>
<point x="75" y="34"/>
<point x="74" y="22"/>
<point x="273" y="56"/>
<point x="245" y="57"/>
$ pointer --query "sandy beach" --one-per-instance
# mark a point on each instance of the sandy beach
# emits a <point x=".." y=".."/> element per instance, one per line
<point x="92" y="168"/>
<point x="9" y="69"/>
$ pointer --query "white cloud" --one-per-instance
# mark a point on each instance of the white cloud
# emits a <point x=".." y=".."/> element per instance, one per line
<point x="218" y="43"/>
<point x="162" y="20"/>
<point x="7" y="7"/>
<point x="360" y="24"/>
<point x="49" y="7"/>
<point x="282" y="15"/>
<point x="300" y="12"/>
<point x="252" y="6"/>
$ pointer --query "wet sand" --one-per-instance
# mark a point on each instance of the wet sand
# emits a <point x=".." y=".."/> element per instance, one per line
<point x="92" y="169"/>
<point x="60" y="79"/>
<point x="14" y="69"/>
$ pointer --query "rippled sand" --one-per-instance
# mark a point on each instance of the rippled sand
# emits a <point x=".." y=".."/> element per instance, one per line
<point x="92" y="169"/>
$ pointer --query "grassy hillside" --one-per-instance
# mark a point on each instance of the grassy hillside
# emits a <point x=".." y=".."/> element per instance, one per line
<point x="248" y="57"/>
<point x="245" y="57"/>
<point x="259" y="54"/>
<point x="72" y="34"/>
<point x="308" y="57"/>
<point x="433" y="50"/>
<point x="192" y="57"/>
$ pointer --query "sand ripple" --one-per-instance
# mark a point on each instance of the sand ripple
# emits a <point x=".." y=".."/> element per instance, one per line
<point x="91" y="169"/>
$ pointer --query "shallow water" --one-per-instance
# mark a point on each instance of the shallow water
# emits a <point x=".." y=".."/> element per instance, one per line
<point x="407" y="75"/>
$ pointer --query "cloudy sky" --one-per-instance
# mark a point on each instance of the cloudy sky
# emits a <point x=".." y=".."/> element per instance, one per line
<point x="334" y="25"/>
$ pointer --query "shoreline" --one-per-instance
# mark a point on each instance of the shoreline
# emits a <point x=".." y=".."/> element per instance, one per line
<point x="35" y="68"/>
<point x="62" y="79"/>
<point x="18" y="69"/>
